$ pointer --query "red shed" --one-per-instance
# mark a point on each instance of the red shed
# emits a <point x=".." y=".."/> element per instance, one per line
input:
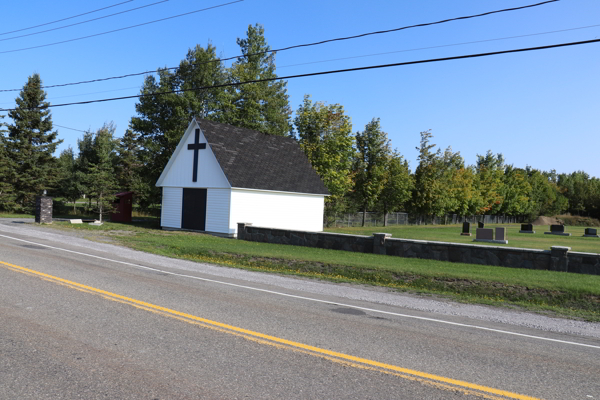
<point x="123" y="206"/>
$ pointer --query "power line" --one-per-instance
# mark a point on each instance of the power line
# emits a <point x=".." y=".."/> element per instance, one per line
<point x="440" y="46"/>
<point x="369" y="55"/>
<point x="64" y="19"/>
<point x="85" y="22"/>
<point x="123" y="29"/>
<point x="73" y="129"/>
<point x="297" y="46"/>
<point x="432" y="60"/>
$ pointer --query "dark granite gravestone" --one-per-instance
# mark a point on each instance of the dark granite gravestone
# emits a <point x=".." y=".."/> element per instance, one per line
<point x="500" y="233"/>
<point x="526" y="228"/>
<point x="480" y="225"/>
<point x="557" y="228"/>
<point x="484" y="234"/>
<point x="466" y="231"/>
<point x="591" y="232"/>
<point x="43" y="209"/>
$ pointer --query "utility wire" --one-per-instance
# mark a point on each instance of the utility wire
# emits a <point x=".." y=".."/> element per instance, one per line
<point x="84" y="22"/>
<point x="64" y="19"/>
<point x="432" y="60"/>
<point x="295" y="46"/>
<point x="367" y="55"/>
<point x="73" y="129"/>
<point x="438" y="46"/>
<point x="122" y="29"/>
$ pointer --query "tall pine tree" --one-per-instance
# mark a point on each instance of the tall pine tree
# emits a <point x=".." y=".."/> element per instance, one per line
<point x="262" y="106"/>
<point x="31" y="144"/>
<point x="6" y="174"/>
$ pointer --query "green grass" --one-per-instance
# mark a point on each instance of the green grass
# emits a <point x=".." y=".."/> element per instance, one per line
<point x="451" y="233"/>
<point x="10" y="215"/>
<point x="571" y="295"/>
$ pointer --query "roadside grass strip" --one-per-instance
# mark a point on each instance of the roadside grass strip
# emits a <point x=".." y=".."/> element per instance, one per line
<point x="549" y="292"/>
<point x="437" y="381"/>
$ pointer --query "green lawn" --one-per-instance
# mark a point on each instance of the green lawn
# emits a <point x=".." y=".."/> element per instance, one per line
<point x="451" y="233"/>
<point x="572" y="295"/>
<point x="8" y="215"/>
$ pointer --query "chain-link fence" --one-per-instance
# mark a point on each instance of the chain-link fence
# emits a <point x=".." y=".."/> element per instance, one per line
<point x="400" y="218"/>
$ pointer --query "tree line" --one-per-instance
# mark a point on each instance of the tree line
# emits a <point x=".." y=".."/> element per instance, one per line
<point x="362" y="170"/>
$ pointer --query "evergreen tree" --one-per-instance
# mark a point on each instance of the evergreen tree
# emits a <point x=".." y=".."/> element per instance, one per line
<point x="68" y="185"/>
<point x="262" y="106"/>
<point x="372" y="152"/>
<point x="324" y="133"/>
<point x="31" y="144"/>
<point x="100" y="174"/>
<point x="6" y="174"/>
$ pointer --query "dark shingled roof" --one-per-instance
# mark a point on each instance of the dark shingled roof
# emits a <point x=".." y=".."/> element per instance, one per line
<point x="253" y="160"/>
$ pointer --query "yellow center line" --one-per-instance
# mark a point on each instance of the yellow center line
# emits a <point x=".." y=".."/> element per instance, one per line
<point x="358" y="362"/>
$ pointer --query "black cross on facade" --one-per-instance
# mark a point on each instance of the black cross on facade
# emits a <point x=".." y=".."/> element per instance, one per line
<point x="196" y="146"/>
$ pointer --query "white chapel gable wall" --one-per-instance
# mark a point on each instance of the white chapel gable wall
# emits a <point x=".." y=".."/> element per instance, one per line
<point x="277" y="210"/>
<point x="210" y="174"/>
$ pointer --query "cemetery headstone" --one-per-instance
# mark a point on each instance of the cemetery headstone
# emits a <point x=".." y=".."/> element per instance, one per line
<point x="591" y="232"/>
<point x="484" y="234"/>
<point x="500" y="234"/>
<point x="466" y="231"/>
<point x="480" y="225"/>
<point x="526" y="228"/>
<point x="557" y="230"/>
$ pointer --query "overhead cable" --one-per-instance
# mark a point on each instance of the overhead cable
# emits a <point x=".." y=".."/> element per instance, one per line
<point x="432" y="60"/>
<point x="84" y="22"/>
<point x="122" y="29"/>
<point x="295" y="46"/>
<point x="64" y="19"/>
<point x="73" y="129"/>
<point x="438" y="46"/>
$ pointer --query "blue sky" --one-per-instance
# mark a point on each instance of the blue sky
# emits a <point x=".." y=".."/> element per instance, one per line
<point x="538" y="108"/>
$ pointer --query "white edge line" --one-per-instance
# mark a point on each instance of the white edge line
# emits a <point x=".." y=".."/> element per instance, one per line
<point x="312" y="299"/>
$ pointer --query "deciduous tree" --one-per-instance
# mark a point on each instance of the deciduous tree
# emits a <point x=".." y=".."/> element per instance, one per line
<point x="324" y="133"/>
<point x="369" y="165"/>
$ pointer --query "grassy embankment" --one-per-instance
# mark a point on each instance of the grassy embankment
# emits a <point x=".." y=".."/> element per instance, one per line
<point x="571" y="295"/>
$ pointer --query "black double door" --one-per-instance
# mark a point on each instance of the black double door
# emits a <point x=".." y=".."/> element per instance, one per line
<point x="193" y="215"/>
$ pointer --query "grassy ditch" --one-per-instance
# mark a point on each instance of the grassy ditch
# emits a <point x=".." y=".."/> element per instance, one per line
<point x="555" y="293"/>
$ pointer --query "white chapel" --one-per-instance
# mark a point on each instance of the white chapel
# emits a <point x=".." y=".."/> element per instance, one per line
<point x="220" y="175"/>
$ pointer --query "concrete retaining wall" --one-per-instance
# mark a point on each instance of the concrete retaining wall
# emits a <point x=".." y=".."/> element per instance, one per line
<point x="556" y="259"/>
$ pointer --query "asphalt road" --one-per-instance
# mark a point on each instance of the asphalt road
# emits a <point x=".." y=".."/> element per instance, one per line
<point x="81" y="320"/>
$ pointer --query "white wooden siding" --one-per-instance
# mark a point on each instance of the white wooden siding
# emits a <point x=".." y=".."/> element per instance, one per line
<point x="179" y="171"/>
<point x="217" y="210"/>
<point x="170" y="214"/>
<point x="277" y="210"/>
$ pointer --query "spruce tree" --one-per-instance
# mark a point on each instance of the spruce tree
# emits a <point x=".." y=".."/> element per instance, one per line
<point x="100" y="172"/>
<point x="6" y="174"/>
<point x="31" y="143"/>
<point x="262" y="106"/>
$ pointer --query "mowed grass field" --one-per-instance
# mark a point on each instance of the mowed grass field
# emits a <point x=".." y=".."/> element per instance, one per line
<point x="451" y="233"/>
<point x="555" y="293"/>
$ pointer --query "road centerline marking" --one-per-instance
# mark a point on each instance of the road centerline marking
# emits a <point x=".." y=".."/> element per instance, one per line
<point x="441" y="321"/>
<point x="423" y="377"/>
